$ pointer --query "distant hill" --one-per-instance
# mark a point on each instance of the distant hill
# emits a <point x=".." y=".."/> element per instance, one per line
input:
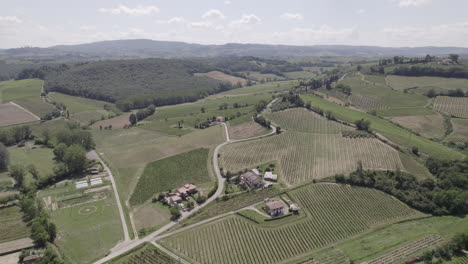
<point x="145" y="48"/>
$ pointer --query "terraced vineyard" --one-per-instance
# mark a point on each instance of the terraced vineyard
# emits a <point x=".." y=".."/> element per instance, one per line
<point x="366" y="102"/>
<point x="455" y="106"/>
<point x="333" y="213"/>
<point x="312" y="148"/>
<point x="460" y="131"/>
<point x="407" y="250"/>
<point x="330" y="256"/>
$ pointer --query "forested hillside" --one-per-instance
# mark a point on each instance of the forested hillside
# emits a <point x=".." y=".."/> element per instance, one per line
<point x="135" y="83"/>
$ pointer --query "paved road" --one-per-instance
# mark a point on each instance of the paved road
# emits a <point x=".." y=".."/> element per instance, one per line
<point x="130" y="244"/>
<point x="93" y="155"/>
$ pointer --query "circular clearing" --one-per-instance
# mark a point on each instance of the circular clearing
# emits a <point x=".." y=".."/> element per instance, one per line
<point x="87" y="210"/>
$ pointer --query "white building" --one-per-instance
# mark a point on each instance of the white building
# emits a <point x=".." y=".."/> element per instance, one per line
<point x="269" y="176"/>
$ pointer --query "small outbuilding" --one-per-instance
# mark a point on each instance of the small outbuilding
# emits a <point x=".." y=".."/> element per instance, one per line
<point x="30" y="259"/>
<point x="275" y="208"/>
<point x="220" y="119"/>
<point x="269" y="176"/>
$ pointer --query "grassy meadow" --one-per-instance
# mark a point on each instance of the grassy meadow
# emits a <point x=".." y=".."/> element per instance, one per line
<point x="12" y="226"/>
<point x="26" y="93"/>
<point x="422" y="85"/>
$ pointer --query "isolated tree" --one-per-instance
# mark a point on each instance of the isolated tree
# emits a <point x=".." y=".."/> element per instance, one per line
<point x="363" y="125"/>
<point x="175" y="213"/>
<point x="17" y="172"/>
<point x="359" y="68"/>
<point x="75" y="158"/>
<point x="202" y="109"/>
<point x="4" y="157"/>
<point x="454" y="57"/>
<point x="59" y="151"/>
<point x="431" y="93"/>
<point x="34" y="172"/>
<point x="415" y="151"/>
<point x="46" y="137"/>
<point x="133" y="119"/>
<point x="278" y="130"/>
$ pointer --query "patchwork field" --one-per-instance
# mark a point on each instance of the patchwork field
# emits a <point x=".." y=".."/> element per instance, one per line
<point x="12" y="114"/>
<point x="312" y="148"/>
<point x="460" y="131"/>
<point x="455" y="106"/>
<point x="26" y="93"/>
<point x="327" y="207"/>
<point x="246" y="130"/>
<point x="82" y="109"/>
<point x="171" y="172"/>
<point x="429" y="126"/>
<point x="217" y="75"/>
<point x="372" y="92"/>
<point x="12" y="225"/>
<point x="394" y="133"/>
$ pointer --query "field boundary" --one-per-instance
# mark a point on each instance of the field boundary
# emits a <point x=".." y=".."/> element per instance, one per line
<point x="26" y="110"/>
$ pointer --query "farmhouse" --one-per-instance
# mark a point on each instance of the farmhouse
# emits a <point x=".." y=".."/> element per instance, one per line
<point x="275" y="208"/>
<point x="251" y="180"/>
<point x="186" y="190"/>
<point x="269" y="176"/>
<point x="173" y="199"/>
<point x="256" y="172"/>
<point x="220" y="119"/>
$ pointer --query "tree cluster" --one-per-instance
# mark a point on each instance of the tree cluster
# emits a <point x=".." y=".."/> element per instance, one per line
<point x="363" y="125"/>
<point x="453" y="93"/>
<point x="15" y="135"/>
<point x="4" y="157"/>
<point x="445" y="195"/>
<point x="262" y="121"/>
<point x="42" y="229"/>
<point x="453" y="72"/>
<point x="447" y="250"/>
<point x="75" y="137"/>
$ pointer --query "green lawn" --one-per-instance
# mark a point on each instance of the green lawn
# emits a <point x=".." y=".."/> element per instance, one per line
<point x="394" y="133"/>
<point x="77" y="104"/>
<point x="84" y="238"/>
<point x="11" y="224"/>
<point x="169" y="173"/>
<point x="40" y="157"/>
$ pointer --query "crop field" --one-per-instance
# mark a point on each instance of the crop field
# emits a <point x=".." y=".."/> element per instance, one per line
<point x="169" y="173"/>
<point x="366" y="102"/>
<point x="460" y="131"/>
<point x="429" y="126"/>
<point x="26" y="93"/>
<point x="312" y="148"/>
<point x="455" y="106"/>
<point x="381" y="93"/>
<point x="87" y="231"/>
<point x="257" y="76"/>
<point x="394" y="133"/>
<point x="405" y="112"/>
<point x="144" y="254"/>
<point x="12" y="225"/>
<point x="42" y="158"/>
<point x="269" y="87"/>
<point x="408" y="250"/>
<point x="129" y="150"/>
<point x="298" y="75"/>
<point x="11" y="114"/>
<point x="328" y="208"/>
<point x="423" y="84"/>
<point x="116" y="122"/>
<point x="150" y="215"/>
<point x="247" y="130"/>
<point x="217" y="75"/>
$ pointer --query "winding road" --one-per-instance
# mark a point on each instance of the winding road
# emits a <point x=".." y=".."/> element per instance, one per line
<point x="128" y="244"/>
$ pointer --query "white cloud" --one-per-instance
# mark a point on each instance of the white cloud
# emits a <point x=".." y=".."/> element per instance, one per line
<point x="292" y="16"/>
<point x="10" y="19"/>
<point x="246" y="19"/>
<point x="174" y="20"/>
<point x="86" y="28"/>
<point x="137" y="11"/>
<point x="437" y="35"/>
<point x="227" y="2"/>
<point x="360" y="11"/>
<point x="201" y="24"/>
<point x="214" y="13"/>
<point x="405" y="3"/>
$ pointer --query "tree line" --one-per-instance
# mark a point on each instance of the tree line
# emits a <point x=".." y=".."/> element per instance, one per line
<point x="453" y="72"/>
<point x="444" y="195"/>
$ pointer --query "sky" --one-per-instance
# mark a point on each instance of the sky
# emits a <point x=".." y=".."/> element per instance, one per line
<point x="389" y="23"/>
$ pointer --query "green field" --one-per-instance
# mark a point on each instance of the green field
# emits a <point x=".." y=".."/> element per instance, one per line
<point x="404" y="112"/>
<point x="84" y="110"/>
<point x="170" y="173"/>
<point x="26" y="93"/>
<point x="42" y="158"/>
<point x="371" y="92"/>
<point x="327" y="207"/>
<point x="428" y="126"/>
<point x="455" y="106"/>
<point x="311" y="148"/>
<point x="394" y="133"/>
<point x="84" y="236"/>
<point x="422" y="85"/>
<point x="12" y="225"/>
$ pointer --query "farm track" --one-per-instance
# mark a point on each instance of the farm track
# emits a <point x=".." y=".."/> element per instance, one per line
<point x="130" y="244"/>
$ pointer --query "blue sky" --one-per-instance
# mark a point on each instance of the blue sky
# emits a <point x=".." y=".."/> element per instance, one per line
<point x="296" y="22"/>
